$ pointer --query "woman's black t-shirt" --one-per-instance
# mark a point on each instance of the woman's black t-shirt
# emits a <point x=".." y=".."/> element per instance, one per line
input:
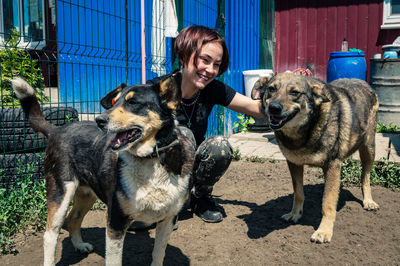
<point x="195" y="116"/>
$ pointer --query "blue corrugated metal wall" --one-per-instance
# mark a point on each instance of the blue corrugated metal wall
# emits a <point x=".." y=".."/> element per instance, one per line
<point x="200" y="12"/>
<point x="92" y="47"/>
<point x="242" y="38"/>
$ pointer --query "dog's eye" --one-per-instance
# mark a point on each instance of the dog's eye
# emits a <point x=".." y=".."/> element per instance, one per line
<point x="131" y="101"/>
<point x="271" y="89"/>
<point x="294" y="93"/>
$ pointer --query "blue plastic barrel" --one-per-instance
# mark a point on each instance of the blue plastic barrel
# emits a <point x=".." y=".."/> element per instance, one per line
<point x="346" y="65"/>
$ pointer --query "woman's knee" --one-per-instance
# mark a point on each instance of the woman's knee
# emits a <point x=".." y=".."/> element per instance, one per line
<point x="216" y="147"/>
<point x="187" y="133"/>
<point x="212" y="159"/>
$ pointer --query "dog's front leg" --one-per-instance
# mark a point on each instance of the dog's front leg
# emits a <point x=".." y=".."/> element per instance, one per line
<point x="117" y="224"/>
<point x="163" y="233"/>
<point x="329" y="202"/>
<point x="296" y="172"/>
<point x="114" y="246"/>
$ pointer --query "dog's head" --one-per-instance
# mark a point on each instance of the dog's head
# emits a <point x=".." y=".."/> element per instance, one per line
<point x="136" y="114"/>
<point x="289" y="99"/>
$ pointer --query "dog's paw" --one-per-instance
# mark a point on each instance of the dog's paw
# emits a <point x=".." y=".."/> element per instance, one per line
<point x="320" y="236"/>
<point x="84" y="247"/>
<point x="370" y="205"/>
<point x="291" y="216"/>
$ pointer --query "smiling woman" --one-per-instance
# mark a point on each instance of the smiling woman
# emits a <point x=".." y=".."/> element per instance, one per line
<point x="203" y="56"/>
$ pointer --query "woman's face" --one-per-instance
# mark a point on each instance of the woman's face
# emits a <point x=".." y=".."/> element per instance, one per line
<point x="207" y="68"/>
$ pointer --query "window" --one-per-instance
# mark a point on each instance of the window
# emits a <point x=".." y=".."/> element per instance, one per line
<point x="27" y="18"/>
<point x="391" y="14"/>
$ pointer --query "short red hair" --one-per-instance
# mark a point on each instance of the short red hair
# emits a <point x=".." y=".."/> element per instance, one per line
<point x="191" y="39"/>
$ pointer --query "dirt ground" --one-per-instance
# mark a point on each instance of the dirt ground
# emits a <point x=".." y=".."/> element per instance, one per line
<point x="254" y="196"/>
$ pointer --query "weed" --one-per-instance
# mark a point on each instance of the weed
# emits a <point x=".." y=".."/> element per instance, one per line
<point x="242" y="126"/>
<point x="383" y="173"/>
<point x="255" y="159"/>
<point x="386" y="174"/>
<point x="236" y="154"/>
<point x="383" y="128"/>
<point x="99" y="205"/>
<point x="272" y="160"/>
<point x="22" y="207"/>
<point x="69" y="119"/>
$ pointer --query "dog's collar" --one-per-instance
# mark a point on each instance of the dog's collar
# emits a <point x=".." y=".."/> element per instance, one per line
<point x="157" y="151"/>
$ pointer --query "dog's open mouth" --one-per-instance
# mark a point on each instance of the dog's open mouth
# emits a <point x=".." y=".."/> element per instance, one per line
<point x="276" y="121"/>
<point x="124" y="137"/>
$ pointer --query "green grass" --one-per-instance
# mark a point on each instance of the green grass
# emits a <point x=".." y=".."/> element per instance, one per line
<point x="21" y="208"/>
<point x="384" y="128"/>
<point x="24" y="207"/>
<point x="255" y="159"/>
<point x="384" y="173"/>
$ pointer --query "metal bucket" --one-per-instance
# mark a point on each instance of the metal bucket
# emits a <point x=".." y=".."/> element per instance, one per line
<point x="385" y="80"/>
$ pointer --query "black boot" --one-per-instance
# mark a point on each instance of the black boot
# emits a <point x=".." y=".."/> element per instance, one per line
<point x="206" y="209"/>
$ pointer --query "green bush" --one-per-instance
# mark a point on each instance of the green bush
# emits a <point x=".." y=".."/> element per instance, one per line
<point x="22" y="207"/>
<point x="384" y="128"/>
<point x="386" y="174"/>
<point x="383" y="173"/>
<point x="242" y="126"/>
<point x="17" y="62"/>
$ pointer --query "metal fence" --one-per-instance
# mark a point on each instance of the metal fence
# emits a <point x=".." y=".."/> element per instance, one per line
<point x="75" y="51"/>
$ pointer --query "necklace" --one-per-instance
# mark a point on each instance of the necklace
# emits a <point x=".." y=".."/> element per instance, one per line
<point x="193" y="102"/>
<point x="191" y="114"/>
<point x="193" y="105"/>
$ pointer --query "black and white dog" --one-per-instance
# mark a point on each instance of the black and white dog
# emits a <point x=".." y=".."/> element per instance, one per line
<point x="134" y="158"/>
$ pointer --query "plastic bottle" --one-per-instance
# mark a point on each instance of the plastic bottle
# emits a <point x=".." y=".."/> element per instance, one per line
<point x="345" y="45"/>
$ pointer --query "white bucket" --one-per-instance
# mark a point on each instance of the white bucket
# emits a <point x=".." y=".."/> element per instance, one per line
<point x="251" y="76"/>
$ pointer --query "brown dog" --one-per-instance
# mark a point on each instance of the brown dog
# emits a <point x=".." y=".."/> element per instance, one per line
<point x="321" y="124"/>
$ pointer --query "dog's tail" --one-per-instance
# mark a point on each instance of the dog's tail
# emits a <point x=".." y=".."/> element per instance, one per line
<point x="30" y="104"/>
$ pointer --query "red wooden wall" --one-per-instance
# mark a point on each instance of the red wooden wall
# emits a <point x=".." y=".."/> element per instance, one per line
<point x="308" y="30"/>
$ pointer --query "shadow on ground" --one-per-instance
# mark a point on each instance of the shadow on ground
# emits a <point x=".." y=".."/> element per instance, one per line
<point x="138" y="247"/>
<point x="265" y="218"/>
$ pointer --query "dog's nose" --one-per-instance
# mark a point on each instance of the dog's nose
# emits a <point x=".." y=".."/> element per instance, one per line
<point x="102" y="121"/>
<point x="275" y="108"/>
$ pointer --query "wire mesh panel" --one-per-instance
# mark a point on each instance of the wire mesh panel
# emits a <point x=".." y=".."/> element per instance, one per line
<point x="75" y="51"/>
<point x="28" y="49"/>
<point x="92" y="51"/>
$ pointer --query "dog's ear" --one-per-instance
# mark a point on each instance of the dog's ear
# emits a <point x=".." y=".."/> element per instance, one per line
<point x="108" y="101"/>
<point x="259" y="88"/>
<point x="169" y="91"/>
<point x="319" y="91"/>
